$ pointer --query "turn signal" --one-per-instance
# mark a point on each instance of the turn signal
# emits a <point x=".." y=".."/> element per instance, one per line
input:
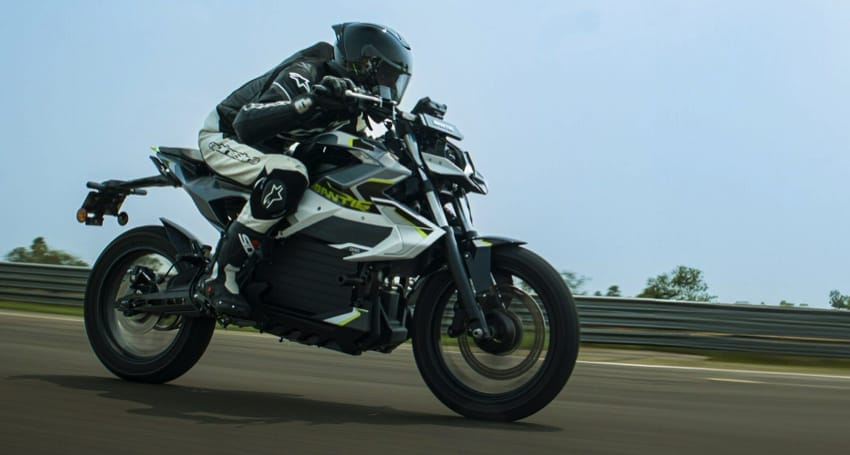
<point x="82" y="215"/>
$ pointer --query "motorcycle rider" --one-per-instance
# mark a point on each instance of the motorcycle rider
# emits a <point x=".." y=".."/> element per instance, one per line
<point x="246" y="135"/>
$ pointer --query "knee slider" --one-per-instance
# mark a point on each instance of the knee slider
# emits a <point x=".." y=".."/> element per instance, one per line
<point x="276" y="194"/>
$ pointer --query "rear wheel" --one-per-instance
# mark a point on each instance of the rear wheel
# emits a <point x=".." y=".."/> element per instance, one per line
<point x="142" y="347"/>
<point x="530" y="357"/>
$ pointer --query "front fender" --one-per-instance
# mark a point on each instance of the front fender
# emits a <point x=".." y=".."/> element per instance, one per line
<point x="495" y="241"/>
<point x="478" y="255"/>
<point x="478" y="264"/>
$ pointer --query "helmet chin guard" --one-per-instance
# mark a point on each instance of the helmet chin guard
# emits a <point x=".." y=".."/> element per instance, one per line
<point x="373" y="56"/>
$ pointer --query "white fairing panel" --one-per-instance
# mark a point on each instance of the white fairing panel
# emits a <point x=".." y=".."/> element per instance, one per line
<point x="409" y="234"/>
<point x="442" y="166"/>
<point x="343" y="208"/>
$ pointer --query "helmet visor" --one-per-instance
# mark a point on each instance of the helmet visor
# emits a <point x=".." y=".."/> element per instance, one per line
<point x="389" y="76"/>
<point x="389" y="72"/>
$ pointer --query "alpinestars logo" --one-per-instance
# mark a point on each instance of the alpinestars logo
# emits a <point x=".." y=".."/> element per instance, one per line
<point x="231" y="152"/>
<point x="275" y="194"/>
<point x="300" y="81"/>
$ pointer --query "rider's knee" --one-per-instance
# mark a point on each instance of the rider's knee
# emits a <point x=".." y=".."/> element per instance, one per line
<point x="276" y="194"/>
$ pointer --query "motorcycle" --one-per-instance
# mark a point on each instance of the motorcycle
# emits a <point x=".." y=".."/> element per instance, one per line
<point x="380" y="250"/>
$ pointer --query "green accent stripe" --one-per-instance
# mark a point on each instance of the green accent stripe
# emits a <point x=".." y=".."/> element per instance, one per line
<point x="383" y="181"/>
<point x="347" y="320"/>
<point x="418" y="229"/>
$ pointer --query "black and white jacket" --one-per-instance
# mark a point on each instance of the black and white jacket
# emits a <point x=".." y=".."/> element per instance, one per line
<point x="265" y="112"/>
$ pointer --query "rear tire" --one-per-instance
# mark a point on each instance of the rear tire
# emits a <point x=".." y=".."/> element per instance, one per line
<point x="521" y="373"/>
<point x="146" y="347"/>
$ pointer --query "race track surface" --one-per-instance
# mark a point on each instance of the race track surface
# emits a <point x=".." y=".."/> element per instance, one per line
<point x="250" y="394"/>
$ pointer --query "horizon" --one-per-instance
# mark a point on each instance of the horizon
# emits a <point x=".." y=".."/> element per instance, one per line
<point x="619" y="140"/>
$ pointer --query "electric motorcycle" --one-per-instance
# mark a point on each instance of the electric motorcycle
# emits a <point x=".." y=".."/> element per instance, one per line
<point x="380" y="250"/>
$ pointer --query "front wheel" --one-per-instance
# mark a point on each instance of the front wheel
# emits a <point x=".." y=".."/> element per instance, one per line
<point x="532" y="353"/>
<point x="142" y="347"/>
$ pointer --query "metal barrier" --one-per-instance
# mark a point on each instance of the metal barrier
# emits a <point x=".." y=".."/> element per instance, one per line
<point x="38" y="283"/>
<point x="744" y="328"/>
<point x="608" y="320"/>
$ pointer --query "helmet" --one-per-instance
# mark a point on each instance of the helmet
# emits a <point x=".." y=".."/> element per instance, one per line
<point x="373" y="56"/>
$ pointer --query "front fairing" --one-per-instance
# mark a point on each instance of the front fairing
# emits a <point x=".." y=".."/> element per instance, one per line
<point x="459" y="170"/>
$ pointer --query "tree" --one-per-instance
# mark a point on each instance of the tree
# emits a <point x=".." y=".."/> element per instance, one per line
<point x="40" y="253"/>
<point x="839" y="301"/>
<point x="574" y="282"/>
<point x="683" y="283"/>
<point x="613" y="291"/>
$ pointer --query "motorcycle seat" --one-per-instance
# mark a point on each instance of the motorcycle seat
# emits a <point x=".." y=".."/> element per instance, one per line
<point x="185" y="153"/>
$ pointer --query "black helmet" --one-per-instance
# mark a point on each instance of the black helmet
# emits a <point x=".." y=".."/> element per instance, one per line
<point x="374" y="56"/>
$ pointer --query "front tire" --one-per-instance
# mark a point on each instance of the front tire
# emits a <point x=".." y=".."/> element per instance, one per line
<point x="144" y="347"/>
<point x="526" y="366"/>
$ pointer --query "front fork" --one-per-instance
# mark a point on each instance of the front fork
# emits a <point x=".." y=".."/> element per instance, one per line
<point x="466" y="291"/>
<point x="463" y="277"/>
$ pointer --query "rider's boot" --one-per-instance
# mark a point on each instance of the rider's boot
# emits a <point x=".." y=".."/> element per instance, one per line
<point x="221" y="287"/>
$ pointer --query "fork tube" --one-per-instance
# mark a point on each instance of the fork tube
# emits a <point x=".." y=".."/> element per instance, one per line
<point x="477" y="324"/>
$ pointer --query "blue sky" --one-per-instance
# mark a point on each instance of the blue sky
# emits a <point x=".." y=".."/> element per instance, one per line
<point x="620" y="138"/>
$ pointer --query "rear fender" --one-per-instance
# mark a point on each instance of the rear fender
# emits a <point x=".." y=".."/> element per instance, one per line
<point x="187" y="245"/>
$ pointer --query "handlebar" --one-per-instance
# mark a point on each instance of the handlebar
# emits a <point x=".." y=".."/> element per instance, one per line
<point x="384" y="108"/>
<point x="355" y="95"/>
<point x="362" y="96"/>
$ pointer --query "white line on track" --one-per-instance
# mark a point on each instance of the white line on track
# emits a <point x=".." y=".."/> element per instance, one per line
<point x="722" y="370"/>
<point x="53" y="317"/>
<point x="741" y="381"/>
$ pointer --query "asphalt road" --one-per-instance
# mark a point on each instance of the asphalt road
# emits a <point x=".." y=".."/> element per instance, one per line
<point x="250" y="394"/>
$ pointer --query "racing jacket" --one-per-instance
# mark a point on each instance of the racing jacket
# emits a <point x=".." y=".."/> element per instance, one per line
<point x="264" y="112"/>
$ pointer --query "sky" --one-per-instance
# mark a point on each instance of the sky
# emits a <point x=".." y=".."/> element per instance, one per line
<point x="620" y="138"/>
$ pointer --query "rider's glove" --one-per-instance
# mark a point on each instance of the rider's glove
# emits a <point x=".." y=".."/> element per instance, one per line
<point x="336" y="86"/>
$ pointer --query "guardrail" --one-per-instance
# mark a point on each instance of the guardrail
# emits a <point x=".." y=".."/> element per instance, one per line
<point x="609" y="320"/>
<point x="38" y="283"/>
<point x="744" y="328"/>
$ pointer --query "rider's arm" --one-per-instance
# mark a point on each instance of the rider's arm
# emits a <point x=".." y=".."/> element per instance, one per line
<point x="285" y="106"/>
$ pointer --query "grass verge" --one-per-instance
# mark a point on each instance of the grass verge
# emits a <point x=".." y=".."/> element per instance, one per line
<point x="42" y="308"/>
